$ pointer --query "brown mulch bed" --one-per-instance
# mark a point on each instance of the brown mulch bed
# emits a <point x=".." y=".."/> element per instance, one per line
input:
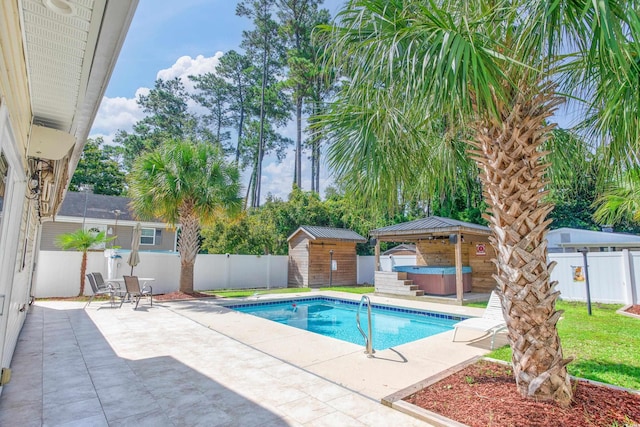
<point x="634" y="309"/>
<point x="485" y="394"/>
<point x="181" y="296"/>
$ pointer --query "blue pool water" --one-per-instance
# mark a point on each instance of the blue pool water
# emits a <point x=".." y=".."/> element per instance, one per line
<point x="392" y="326"/>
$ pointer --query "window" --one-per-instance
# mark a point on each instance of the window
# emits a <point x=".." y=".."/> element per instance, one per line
<point x="94" y="230"/>
<point x="148" y="236"/>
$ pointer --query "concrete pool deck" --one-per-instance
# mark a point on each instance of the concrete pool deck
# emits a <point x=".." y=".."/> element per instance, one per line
<point x="198" y="363"/>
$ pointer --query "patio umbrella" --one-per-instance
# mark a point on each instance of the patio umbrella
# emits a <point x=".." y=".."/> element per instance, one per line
<point x="134" y="257"/>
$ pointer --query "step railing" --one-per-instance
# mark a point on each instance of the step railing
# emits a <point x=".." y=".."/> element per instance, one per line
<point x="367" y="337"/>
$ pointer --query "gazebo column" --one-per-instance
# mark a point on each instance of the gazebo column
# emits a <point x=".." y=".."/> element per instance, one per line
<point x="377" y="255"/>
<point x="459" y="282"/>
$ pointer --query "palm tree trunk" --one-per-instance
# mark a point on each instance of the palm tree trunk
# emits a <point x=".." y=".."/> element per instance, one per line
<point x="508" y="153"/>
<point x="188" y="245"/>
<point x="83" y="271"/>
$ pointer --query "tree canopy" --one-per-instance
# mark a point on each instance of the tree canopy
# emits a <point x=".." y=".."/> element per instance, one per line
<point x="431" y="90"/>
<point x="186" y="183"/>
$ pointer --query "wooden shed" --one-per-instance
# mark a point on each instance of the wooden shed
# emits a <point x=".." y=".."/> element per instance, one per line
<point x="453" y="248"/>
<point x="323" y="256"/>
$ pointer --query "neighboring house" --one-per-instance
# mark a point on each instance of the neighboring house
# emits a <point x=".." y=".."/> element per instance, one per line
<point x="110" y="214"/>
<point x="56" y="58"/>
<point x="571" y="239"/>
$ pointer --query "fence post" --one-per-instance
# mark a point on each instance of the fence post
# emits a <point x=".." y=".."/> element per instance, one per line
<point x="228" y="270"/>
<point x="627" y="273"/>
<point x="269" y="271"/>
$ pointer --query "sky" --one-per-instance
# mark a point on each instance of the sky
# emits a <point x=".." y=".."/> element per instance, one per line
<point x="168" y="39"/>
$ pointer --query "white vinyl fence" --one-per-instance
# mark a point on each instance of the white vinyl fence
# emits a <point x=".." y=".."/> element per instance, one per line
<point x="614" y="277"/>
<point x="366" y="269"/>
<point x="387" y="262"/>
<point x="58" y="272"/>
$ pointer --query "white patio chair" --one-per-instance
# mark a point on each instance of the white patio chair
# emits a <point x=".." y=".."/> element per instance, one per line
<point x="491" y="321"/>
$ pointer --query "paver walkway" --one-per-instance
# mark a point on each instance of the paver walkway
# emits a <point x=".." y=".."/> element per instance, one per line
<point x="155" y="367"/>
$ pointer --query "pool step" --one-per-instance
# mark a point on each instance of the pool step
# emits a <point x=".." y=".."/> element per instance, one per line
<point x="395" y="283"/>
<point x="396" y="290"/>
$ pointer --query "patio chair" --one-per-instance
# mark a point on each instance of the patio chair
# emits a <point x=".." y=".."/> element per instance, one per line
<point x="117" y="288"/>
<point x="492" y="319"/>
<point x="99" y="287"/>
<point x="133" y="290"/>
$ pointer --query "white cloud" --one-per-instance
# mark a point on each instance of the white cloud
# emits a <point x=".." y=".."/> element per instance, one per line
<point x="277" y="178"/>
<point x="121" y="113"/>
<point x="186" y="66"/>
<point x="117" y="113"/>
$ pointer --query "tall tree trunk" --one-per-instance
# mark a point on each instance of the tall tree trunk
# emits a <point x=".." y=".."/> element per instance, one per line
<point x="315" y="155"/>
<point x="219" y="121"/>
<point x="317" y="143"/>
<point x="253" y="183"/>
<point x="188" y="244"/>
<point x="265" y="71"/>
<point x="313" y="167"/>
<point x="249" y="191"/>
<point x="83" y="271"/>
<point x="508" y="153"/>
<point x="240" y="125"/>
<point x="298" y="177"/>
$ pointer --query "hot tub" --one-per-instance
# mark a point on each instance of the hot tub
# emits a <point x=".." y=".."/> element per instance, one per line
<point x="436" y="280"/>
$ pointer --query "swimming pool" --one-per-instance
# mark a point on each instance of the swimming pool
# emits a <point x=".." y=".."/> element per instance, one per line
<point x="336" y="318"/>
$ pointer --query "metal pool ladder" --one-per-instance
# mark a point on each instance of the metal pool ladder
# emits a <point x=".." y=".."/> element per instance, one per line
<point x="367" y="338"/>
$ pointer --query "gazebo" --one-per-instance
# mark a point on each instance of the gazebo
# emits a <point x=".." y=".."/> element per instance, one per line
<point x="459" y="247"/>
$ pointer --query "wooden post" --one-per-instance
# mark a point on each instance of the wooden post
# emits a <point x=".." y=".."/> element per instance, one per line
<point x="377" y="255"/>
<point x="459" y="283"/>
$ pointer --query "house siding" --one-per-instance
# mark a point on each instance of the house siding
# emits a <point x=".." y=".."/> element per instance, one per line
<point x="123" y="234"/>
<point x="18" y="223"/>
<point x="14" y="88"/>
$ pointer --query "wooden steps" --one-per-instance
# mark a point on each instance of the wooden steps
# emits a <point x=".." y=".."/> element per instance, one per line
<point x="395" y="283"/>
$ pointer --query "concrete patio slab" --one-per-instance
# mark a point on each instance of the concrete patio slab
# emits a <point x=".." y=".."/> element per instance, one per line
<point x="196" y="363"/>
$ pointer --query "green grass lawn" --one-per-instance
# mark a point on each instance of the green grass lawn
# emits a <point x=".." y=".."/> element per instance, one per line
<point x="605" y="345"/>
<point x="241" y="293"/>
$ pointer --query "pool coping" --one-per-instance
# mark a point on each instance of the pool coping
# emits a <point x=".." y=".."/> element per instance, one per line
<point x="393" y="308"/>
<point x="335" y="360"/>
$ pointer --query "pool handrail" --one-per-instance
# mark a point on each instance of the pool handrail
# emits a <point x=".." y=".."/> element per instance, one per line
<point x="367" y="339"/>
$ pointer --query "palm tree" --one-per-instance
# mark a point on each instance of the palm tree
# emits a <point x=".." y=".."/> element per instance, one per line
<point x="82" y="240"/>
<point x="187" y="183"/>
<point x="620" y="201"/>
<point x="492" y="72"/>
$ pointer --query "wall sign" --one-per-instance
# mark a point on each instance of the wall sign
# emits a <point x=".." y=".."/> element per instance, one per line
<point x="481" y="249"/>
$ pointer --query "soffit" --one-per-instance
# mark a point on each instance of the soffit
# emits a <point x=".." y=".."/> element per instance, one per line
<point x="59" y="52"/>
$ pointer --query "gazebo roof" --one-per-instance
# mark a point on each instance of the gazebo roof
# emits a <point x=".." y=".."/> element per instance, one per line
<point x="430" y="226"/>
<point x="342" y="234"/>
